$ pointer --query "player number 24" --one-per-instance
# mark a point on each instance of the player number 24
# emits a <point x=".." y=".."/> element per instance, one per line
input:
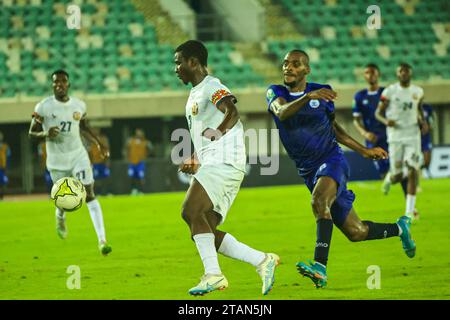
<point x="407" y="105"/>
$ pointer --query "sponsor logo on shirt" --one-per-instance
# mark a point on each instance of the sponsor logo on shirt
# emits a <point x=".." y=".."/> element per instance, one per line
<point x="314" y="103"/>
<point x="218" y="95"/>
<point x="76" y="115"/>
<point x="365" y="101"/>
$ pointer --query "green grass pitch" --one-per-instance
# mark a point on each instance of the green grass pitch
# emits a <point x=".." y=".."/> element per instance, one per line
<point x="154" y="258"/>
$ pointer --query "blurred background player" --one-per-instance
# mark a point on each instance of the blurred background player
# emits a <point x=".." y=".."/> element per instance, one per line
<point x="60" y="119"/>
<point x="304" y="113"/>
<point x="400" y="109"/>
<point x="365" y="103"/>
<point x="218" y="168"/>
<point x="137" y="150"/>
<point x="42" y="153"/>
<point x="426" y="140"/>
<point x="5" y="154"/>
<point x="100" y="164"/>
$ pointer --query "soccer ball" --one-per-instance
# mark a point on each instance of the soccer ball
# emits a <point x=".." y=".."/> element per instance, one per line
<point x="68" y="194"/>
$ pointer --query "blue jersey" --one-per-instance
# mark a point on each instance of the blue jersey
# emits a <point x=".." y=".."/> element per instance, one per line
<point x="428" y="117"/>
<point x="365" y="104"/>
<point x="307" y="136"/>
<point x="428" y="113"/>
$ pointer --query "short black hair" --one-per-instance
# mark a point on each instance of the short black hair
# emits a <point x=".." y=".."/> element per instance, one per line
<point x="300" y="52"/>
<point x="60" y="71"/>
<point x="194" y="49"/>
<point x="373" y="65"/>
<point x="405" y="65"/>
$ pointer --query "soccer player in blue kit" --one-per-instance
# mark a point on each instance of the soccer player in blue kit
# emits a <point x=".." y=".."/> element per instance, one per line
<point x="365" y="102"/>
<point x="304" y="114"/>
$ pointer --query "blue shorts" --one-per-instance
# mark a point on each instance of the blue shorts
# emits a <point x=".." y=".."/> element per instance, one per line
<point x="335" y="167"/>
<point x="426" y="142"/>
<point x="136" y="171"/>
<point x="101" y="171"/>
<point x="382" y="165"/>
<point x="3" y="178"/>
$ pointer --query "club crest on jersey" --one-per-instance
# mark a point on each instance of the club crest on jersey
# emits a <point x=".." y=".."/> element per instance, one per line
<point x="365" y="101"/>
<point x="194" y="109"/>
<point x="314" y="103"/>
<point x="415" y="97"/>
<point x="76" y="115"/>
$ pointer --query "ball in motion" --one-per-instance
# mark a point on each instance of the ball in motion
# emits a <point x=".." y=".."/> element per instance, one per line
<point x="68" y="194"/>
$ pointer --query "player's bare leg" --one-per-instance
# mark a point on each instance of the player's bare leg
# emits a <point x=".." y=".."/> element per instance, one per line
<point x="323" y="196"/>
<point x="227" y="245"/>
<point x="411" y="195"/>
<point x="96" y="214"/>
<point x="356" y="230"/>
<point x="195" y="208"/>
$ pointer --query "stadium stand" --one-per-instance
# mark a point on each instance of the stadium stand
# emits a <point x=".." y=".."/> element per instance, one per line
<point x="104" y="56"/>
<point x="340" y="45"/>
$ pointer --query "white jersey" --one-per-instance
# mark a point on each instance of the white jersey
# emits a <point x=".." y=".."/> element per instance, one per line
<point x="403" y="109"/>
<point x="67" y="145"/>
<point x="202" y="113"/>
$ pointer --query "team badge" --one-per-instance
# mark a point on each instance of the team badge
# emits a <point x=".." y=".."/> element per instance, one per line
<point x="270" y="95"/>
<point x="415" y="97"/>
<point x="314" y="103"/>
<point x="365" y="101"/>
<point x="194" y="109"/>
<point x="76" y="116"/>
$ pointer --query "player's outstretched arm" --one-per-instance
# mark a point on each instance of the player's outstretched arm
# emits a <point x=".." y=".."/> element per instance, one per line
<point x="284" y="110"/>
<point x="344" y="138"/>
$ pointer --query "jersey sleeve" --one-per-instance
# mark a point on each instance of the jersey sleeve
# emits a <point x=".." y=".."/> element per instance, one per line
<point x="272" y="93"/>
<point x="83" y="108"/>
<point x="421" y="93"/>
<point x="386" y="94"/>
<point x="38" y="113"/>
<point x="356" y="108"/>
<point x="216" y="91"/>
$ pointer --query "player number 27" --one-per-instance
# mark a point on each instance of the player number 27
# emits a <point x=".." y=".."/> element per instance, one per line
<point x="65" y="126"/>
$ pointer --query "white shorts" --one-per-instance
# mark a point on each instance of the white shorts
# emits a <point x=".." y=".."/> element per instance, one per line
<point x="221" y="182"/>
<point x="81" y="169"/>
<point x="406" y="153"/>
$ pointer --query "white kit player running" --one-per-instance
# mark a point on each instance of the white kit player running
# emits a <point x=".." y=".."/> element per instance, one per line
<point x="59" y="119"/>
<point x="402" y="105"/>
<point x="218" y="168"/>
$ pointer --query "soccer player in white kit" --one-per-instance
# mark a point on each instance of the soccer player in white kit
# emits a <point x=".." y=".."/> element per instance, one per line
<point x="400" y="109"/>
<point x="218" y="168"/>
<point x="59" y="119"/>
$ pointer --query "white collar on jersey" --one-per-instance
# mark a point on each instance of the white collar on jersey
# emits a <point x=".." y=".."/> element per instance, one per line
<point x="202" y="83"/>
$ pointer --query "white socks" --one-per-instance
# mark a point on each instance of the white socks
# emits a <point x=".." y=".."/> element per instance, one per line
<point x="232" y="248"/>
<point x="207" y="250"/>
<point x="60" y="214"/>
<point x="410" y="205"/>
<point x="97" y="219"/>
